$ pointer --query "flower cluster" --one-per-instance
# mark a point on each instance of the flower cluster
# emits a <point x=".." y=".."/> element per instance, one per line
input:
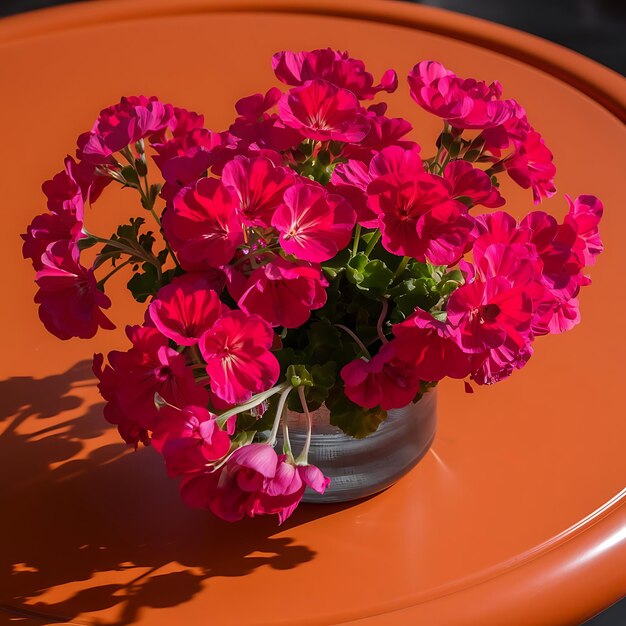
<point x="311" y="253"/>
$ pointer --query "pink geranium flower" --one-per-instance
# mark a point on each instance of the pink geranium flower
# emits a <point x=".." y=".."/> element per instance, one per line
<point x="322" y="111"/>
<point x="187" y="307"/>
<point x="185" y="159"/>
<point x="258" y="187"/>
<point x="202" y="225"/>
<point x="132" y="378"/>
<point x="254" y="481"/>
<point x="467" y="181"/>
<point x="313" y="224"/>
<point x="417" y="216"/>
<point x="531" y="166"/>
<point x="188" y="439"/>
<point x="501" y="362"/>
<point x="462" y="102"/>
<point x="385" y="380"/>
<point x="487" y="312"/>
<point x="284" y="293"/>
<point x="338" y="68"/>
<point x="351" y="180"/>
<point x="429" y="347"/>
<point x="70" y="303"/>
<point x="255" y="106"/>
<point x="47" y="229"/>
<point x="237" y="353"/>
<point x="583" y="219"/>
<point x="121" y="124"/>
<point x="128" y="425"/>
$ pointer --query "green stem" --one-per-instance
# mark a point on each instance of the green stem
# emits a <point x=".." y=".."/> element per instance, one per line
<point x="381" y="319"/>
<point x="279" y="415"/>
<point x="357" y="237"/>
<point x="254" y="401"/>
<point x="372" y="242"/>
<point x="401" y="267"/>
<point x="303" y="457"/>
<point x="114" y="271"/>
<point x="358" y="342"/>
<point x="287" y="443"/>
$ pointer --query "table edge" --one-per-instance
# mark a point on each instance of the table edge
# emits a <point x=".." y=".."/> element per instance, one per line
<point x="602" y="84"/>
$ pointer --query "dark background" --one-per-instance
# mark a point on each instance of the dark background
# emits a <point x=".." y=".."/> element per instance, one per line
<point x="595" y="28"/>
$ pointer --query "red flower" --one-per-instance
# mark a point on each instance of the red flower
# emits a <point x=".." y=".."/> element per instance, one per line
<point x="131" y="380"/>
<point x="338" y="68"/>
<point x="385" y="380"/>
<point x="188" y="306"/>
<point x="322" y="111"/>
<point x="188" y="439"/>
<point x="202" y="225"/>
<point x="429" y="347"/>
<point x="237" y="353"/>
<point x="313" y="224"/>
<point x="284" y="293"/>
<point x="258" y="187"/>
<point x="70" y="302"/>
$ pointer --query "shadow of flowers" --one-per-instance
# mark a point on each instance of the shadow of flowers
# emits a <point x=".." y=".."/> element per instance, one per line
<point x="89" y="526"/>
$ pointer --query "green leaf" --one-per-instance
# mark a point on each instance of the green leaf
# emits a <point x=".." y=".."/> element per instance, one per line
<point x="299" y="376"/>
<point x="324" y="341"/>
<point x="372" y="277"/>
<point x="146" y="283"/>
<point x="141" y="167"/>
<point x="376" y="278"/>
<point x="356" y="267"/>
<point x="318" y="381"/>
<point x="86" y="242"/>
<point x="337" y="264"/>
<point x="356" y="421"/>
<point x="130" y="175"/>
<point x="324" y="378"/>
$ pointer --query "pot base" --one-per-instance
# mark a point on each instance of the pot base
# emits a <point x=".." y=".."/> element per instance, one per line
<point x="358" y="468"/>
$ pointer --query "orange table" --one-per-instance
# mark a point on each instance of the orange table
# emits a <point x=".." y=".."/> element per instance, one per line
<point x="517" y="514"/>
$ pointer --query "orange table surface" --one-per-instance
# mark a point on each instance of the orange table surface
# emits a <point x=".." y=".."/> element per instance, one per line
<point x="516" y="515"/>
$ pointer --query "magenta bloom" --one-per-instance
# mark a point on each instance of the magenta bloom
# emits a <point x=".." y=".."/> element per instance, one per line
<point x="284" y="293"/>
<point x="237" y="353"/>
<point x="531" y="166"/>
<point x="467" y="181"/>
<point x="583" y="219"/>
<point x="186" y="308"/>
<point x="121" y="124"/>
<point x="186" y="157"/>
<point x="202" y="225"/>
<point x="188" y="439"/>
<point x="429" y="347"/>
<point x="384" y="381"/>
<point x="338" y="68"/>
<point x="487" y="312"/>
<point x="254" y="481"/>
<point x="313" y="224"/>
<point x="258" y="187"/>
<point x="462" y="102"/>
<point x="351" y="180"/>
<point x="255" y="106"/>
<point x="129" y="383"/>
<point x="70" y="303"/>
<point x="322" y="111"/>
<point x="501" y="362"/>
<point x="47" y="229"/>
<point x="417" y="216"/>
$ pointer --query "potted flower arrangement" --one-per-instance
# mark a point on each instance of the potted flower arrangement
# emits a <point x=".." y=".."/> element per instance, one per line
<point x="312" y="258"/>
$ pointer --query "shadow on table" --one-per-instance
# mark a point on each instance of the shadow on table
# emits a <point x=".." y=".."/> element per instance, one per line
<point x="95" y="526"/>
